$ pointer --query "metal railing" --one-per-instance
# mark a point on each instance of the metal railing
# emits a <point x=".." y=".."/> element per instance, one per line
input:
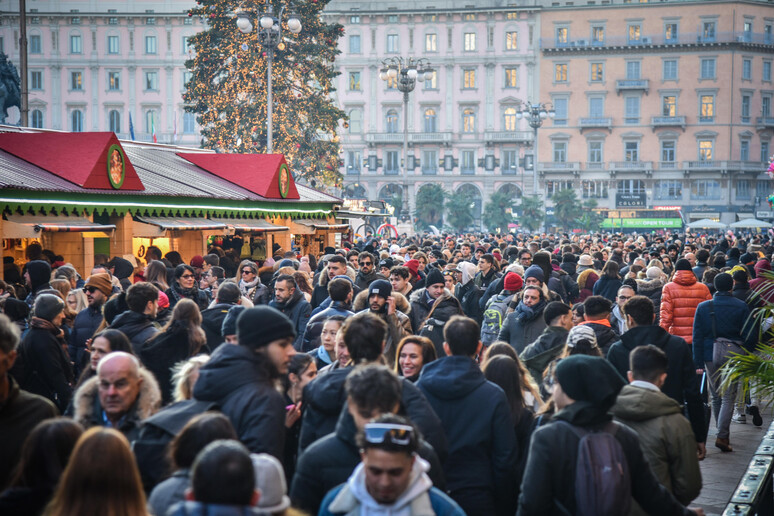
<point x="754" y="494"/>
<point x="644" y="40"/>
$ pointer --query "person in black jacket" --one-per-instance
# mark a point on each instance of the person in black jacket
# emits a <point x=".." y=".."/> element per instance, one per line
<point x="364" y="335"/>
<point x="585" y="390"/>
<point x="289" y="299"/>
<point x="37" y="274"/>
<point x="44" y="368"/>
<point x="372" y="390"/>
<point x="681" y="384"/>
<point x="227" y="297"/>
<point x="142" y="299"/>
<point x="596" y="313"/>
<point x="98" y="290"/>
<point x="184" y="287"/>
<point x="480" y="468"/>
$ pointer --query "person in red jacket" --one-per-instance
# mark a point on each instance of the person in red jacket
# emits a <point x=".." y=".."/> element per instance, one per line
<point x="679" y="300"/>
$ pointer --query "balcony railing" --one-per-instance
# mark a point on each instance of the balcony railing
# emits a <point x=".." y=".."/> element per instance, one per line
<point x="559" y="166"/>
<point x="705" y="165"/>
<point x="684" y="38"/>
<point x="595" y="122"/>
<point x="632" y="85"/>
<point x="667" y="165"/>
<point x="765" y="121"/>
<point x="430" y="138"/>
<point x="508" y="136"/>
<point x="595" y="165"/>
<point x="630" y="166"/>
<point x="429" y="171"/>
<point x="372" y="138"/>
<point x="667" y="121"/>
<point x="389" y="172"/>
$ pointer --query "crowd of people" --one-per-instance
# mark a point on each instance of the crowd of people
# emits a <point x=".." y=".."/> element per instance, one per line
<point x="450" y="374"/>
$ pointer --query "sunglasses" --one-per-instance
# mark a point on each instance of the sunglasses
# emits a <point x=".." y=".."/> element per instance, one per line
<point x="379" y="433"/>
<point x="248" y="271"/>
<point x="90" y="290"/>
<point x="364" y="263"/>
<point x="186" y="276"/>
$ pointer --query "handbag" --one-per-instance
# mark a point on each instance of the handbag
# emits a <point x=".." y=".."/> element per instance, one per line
<point x="722" y="347"/>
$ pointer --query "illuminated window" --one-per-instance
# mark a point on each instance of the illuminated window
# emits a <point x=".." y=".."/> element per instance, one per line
<point x="470" y="41"/>
<point x="668" y="105"/>
<point x="511" y="77"/>
<point x="560" y="73"/>
<point x="468" y="79"/>
<point x="431" y="42"/>
<point x="468" y="120"/>
<point x="509" y="119"/>
<point x="511" y="40"/>
<point x="597" y="72"/>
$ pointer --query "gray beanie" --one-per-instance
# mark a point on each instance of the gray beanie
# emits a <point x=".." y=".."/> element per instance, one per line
<point x="48" y="306"/>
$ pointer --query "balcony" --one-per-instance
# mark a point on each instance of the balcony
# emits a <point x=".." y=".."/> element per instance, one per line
<point x="658" y="39"/>
<point x="630" y="166"/>
<point x="376" y="138"/>
<point x="548" y="167"/>
<point x="596" y="123"/>
<point x="765" y="122"/>
<point x="704" y="165"/>
<point x="393" y="172"/>
<point x="595" y="165"/>
<point x="668" y="121"/>
<point x="444" y="138"/>
<point x="507" y="136"/>
<point x="754" y="167"/>
<point x="632" y="85"/>
<point x="667" y="165"/>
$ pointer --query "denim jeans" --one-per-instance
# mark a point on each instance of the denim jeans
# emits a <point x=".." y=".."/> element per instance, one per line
<point x="722" y="404"/>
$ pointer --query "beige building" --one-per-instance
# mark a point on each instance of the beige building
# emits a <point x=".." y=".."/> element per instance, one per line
<point x="663" y="104"/>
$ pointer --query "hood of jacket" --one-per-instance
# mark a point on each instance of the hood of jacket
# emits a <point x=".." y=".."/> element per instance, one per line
<point x="684" y="278"/>
<point x="468" y="272"/>
<point x="587" y="278"/>
<point x="131" y="321"/>
<point x="761" y="265"/>
<point x="451" y="377"/>
<point x="641" y="404"/>
<point x="148" y="402"/>
<point x="401" y="303"/>
<point x="40" y="273"/>
<point x="569" y="267"/>
<point x="229" y="368"/>
<point x="322" y="279"/>
<point x="640" y="335"/>
<point x="123" y="267"/>
<point x="647" y="287"/>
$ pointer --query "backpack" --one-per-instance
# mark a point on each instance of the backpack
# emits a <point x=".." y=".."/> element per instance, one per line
<point x="157" y="432"/>
<point x="494" y="315"/>
<point x="432" y="328"/>
<point x="603" y="484"/>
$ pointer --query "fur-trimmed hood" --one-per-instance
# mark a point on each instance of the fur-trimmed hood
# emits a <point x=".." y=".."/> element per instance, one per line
<point x="401" y="303"/>
<point x="647" y="287"/>
<point x="417" y="295"/>
<point x="323" y="280"/>
<point x="86" y="396"/>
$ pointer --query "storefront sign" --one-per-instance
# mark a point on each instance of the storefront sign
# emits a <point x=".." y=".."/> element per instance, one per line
<point x="631" y="200"/>
<point x="642" y="223"/>
<point x="116" y="167"/>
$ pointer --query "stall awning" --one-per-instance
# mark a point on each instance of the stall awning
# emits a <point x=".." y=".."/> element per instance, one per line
<point x="745" y="215"/>
<point x="156" y="226"/>
<point x="257" y="225"/>
<point x="30" y="226"/>
<point x="321" y="224"/>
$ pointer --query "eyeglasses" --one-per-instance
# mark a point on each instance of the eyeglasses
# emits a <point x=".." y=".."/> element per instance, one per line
<point x="378" y="433"/>
<point x="248" y="271"/>
<point x="90" y="290"/>
<point x="364" y="263"/>
<point x="186" y="276"/>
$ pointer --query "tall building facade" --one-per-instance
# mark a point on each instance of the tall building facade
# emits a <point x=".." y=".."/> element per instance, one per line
<point x="463" y="132"/>
<point x="93" y="64"/>
<point x="660" y="105"/>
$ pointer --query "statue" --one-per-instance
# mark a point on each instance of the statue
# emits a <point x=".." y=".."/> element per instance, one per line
<point x="10" y="87"/>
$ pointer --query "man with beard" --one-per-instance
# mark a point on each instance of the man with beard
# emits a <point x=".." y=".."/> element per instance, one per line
<point x="290" y="300"/>
<point x="366" y="275"/>
<point x="382" y="303"/>
<point x="525" y="324"/>
<point x="98" y="289"/>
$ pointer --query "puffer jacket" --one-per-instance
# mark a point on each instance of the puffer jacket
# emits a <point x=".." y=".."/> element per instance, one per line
<point x="652" y="290"/>
<point x="679" y="300"/>
<point x="666" y="439"/>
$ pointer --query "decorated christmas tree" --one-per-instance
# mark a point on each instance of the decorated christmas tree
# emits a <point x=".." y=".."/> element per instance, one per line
<point x="228" y="85"/>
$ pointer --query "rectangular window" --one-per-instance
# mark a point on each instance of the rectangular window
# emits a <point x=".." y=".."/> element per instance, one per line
<point x="353" y="162"/>
<point x="511" y="77"/>
<point x="560" y="110"/>
<point x="768" y="34"/>
<point x="707" y="68"/>
<point x="668" y="190"/>
<point x="670" y="32"/>
<point x="744" y="150"/>
<point x="553" y="187"/>
<point x="764" y="152"/>
<point x="468" y="162"/>
<point x="151" y="81"/>
<point x="562" y="35"/>
<point x="766" y="71"/>
<point x="114" y="81"/>
<point x="743" y="189"/>
<point x="391" y="162"/>
<point x="632" y="152"/>
<point x="76" y="81"/>
<point x="705" y="150"/>
<point x="429" y="162"/>
<point x="509" y="161"/>
<point x="468" y="79"/>
<point x="468" y="120"/>
<point x="705" y="189"/>
<point x="595" y="152"/>
<point x="354" y="19"/>
<point x="594" y="189"/>
<point x="707" y="108"/>
<point x="112" y="44"/>
<point x="354" y="81"/>
<point x="150" y="44"/>
<point x="634" y="33"/>
<point x="708" y="32"/>
<point x="765" y="106"/>
<point x="511" y="40"/>
<point x="633" y="70"/>
<point x="597" y="35"/>
<point x="76" y="45"/>
<point x="354" y="44"/>
<point x="596" y="107"/>
<point x="669" y="70"/>
<point x="393" y="18"/>
<point x="746" y="109"/>
<point x="632" y="110"/>
<point x="747" y="69"/>
<point x="432" y="82"/>
<point x="470" y="41"/>
<point x="36" y="80"/>
<point x="762" y="188"/>
<point x="35" y="45"/>
<point x="560" y="152"/>
<point x="668" y="105"/>
<point x="392" y="43"/>
<point x="668" y="151"/>
<point x="560" y="73"/>
<point x="431" y="42"/>
<point x="597" y="72"/>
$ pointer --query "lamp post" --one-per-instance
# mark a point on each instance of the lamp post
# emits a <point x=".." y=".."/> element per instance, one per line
<point x="270" y="38"/>
<point x="535" y="115"/>
<point x="406" y="72"/>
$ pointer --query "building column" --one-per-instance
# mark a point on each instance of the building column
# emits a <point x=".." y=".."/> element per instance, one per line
<point x="490" y="92"/>
<point x="95" y="109"/>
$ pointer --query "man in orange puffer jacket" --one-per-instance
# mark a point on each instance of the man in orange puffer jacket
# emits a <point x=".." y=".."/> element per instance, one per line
<point x="679" y="300"/>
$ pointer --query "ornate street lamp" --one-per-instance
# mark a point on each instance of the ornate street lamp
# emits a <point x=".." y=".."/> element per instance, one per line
<point x="270" y="38"/>
<point x="406" y="72"/>
<point x="535" y="114"/>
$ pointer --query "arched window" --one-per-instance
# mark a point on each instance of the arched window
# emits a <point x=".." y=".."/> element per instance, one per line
<point x="392" y="121"/>
<point x="468" y="120"/>
<point x="431" y="120"/>
<point x="76" y="121"/>
<point x="509" y="119"/>
<point x="114" y="121"/>
<point x="37" y="119"/>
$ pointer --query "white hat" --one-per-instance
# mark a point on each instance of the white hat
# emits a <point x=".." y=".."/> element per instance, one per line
<point x="270" y="481"/>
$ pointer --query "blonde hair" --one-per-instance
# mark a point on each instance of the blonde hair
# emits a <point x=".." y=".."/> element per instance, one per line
<point x="182" y="374"/>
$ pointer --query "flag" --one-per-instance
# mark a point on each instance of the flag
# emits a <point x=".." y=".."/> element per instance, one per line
<point x="153" y="128"/>
<point x="131" y="126"/>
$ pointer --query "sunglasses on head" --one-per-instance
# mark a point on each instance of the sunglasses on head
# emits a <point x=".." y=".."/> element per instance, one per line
<point x="378" y="433"/>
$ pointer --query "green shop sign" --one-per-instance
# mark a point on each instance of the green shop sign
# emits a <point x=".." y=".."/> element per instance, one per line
<point x="642" y="223"/>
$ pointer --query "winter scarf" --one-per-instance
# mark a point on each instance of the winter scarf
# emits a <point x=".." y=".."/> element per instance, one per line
<point x="525" y="314"/>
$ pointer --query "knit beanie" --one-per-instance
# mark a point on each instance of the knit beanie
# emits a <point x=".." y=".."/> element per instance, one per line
<point x="100" y="281"/>
<point x="512" y="282"/>
<point x="229" y="324"/>
<point x="163" y="300"/>
<point x="197" y="262"/>
<point x="381" y="288"/>
<point x="48" y="306"/>
<point x="435" y="276"/>
<point x="260" y="326"/>
<point x="534" y="271"/>
<point x="40" y="273"/>
<point x="747" y="258"/>
<point x="579" y="333"/>
<point x="653" y="273"/>
<point x="682" y="265"/>
<point x="724" y="282"/>
<point x="413" y="266"/>
<point x="590" y="379"/>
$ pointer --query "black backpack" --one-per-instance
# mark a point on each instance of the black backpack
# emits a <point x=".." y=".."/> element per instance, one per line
<point x="432" y="328"/>
<point x="150" y="447"/>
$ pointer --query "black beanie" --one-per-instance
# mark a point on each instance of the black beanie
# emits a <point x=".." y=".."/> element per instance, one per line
<point x="724" y="282"/>
<point x="229" y="324"/>
<point x="590" y="379"/>
<point x="682" y="265"/>
<point x="435" y="276"/>
<point x="259" y="326"/>
<point x="16" y="310"/>
<point x="48" y="306"/>
<point x="40" y="273"/>
<point x="380" y="288"/>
